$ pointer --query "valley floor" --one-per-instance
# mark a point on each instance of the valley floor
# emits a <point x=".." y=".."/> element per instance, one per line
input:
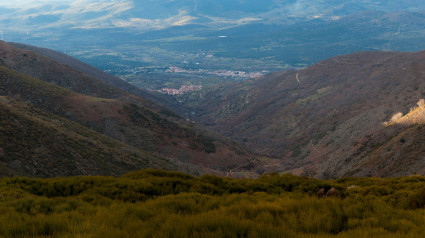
<point x="153" y="203"/>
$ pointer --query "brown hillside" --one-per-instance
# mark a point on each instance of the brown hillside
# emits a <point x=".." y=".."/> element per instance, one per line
<point x="37" y="66"/>
<point x="326" y="120"/>
<point x="96" y="73"/>
<point x="90" y="82"/>
<point x="39" y="144"/>
<point x="121" y="117"/>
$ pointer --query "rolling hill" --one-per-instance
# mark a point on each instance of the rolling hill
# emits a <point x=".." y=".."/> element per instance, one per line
<point x="345" y="116"/>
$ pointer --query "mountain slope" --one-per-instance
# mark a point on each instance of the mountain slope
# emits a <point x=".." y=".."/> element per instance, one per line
<point x="119" y="115"/>
<point x="38" y="144"/>
<point x="326" y="120"/>
<point x="95" y="73"/>
<point x="63" y="74"/>
<point x="37" y="66"/>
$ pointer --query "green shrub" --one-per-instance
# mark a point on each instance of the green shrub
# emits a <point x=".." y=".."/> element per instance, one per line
<point x="153" y="203"/>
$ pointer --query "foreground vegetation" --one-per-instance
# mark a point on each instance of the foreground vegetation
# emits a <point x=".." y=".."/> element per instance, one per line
<point x="154" y="203"/>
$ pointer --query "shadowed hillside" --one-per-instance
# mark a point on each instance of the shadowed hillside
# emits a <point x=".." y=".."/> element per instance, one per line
<point x="90" y="102"/>
<point x="39" y="144"/>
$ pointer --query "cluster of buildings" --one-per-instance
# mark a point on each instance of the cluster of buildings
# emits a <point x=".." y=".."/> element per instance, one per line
<point x="174" y="69"/>
<point x="183" y="89"/>
<point x="237" y="74"/>
<point x="220" y="73"/>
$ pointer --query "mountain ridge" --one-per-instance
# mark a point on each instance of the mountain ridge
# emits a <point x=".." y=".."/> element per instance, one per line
<point x="95" y="73"/>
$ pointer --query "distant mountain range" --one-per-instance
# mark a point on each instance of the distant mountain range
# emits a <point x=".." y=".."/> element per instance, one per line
<point x="160" y="14"/>
<point x="123" y="36"/>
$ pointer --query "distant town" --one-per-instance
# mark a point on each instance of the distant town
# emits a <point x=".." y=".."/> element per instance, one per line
<point x="191" y="87"/>
<point x="182" y="90"/>
<point x="220" y="73"/>
<point x="152" y="78"/>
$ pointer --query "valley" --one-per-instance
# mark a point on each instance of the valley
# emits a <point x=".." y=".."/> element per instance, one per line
<point x="328" y="114"/>
<point x="152" y="133"/>
<point x="201" y="118"/>
<point x="295" y="121"/>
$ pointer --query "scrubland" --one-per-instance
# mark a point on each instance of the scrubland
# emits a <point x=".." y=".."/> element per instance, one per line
<point x="152" y="203"/>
